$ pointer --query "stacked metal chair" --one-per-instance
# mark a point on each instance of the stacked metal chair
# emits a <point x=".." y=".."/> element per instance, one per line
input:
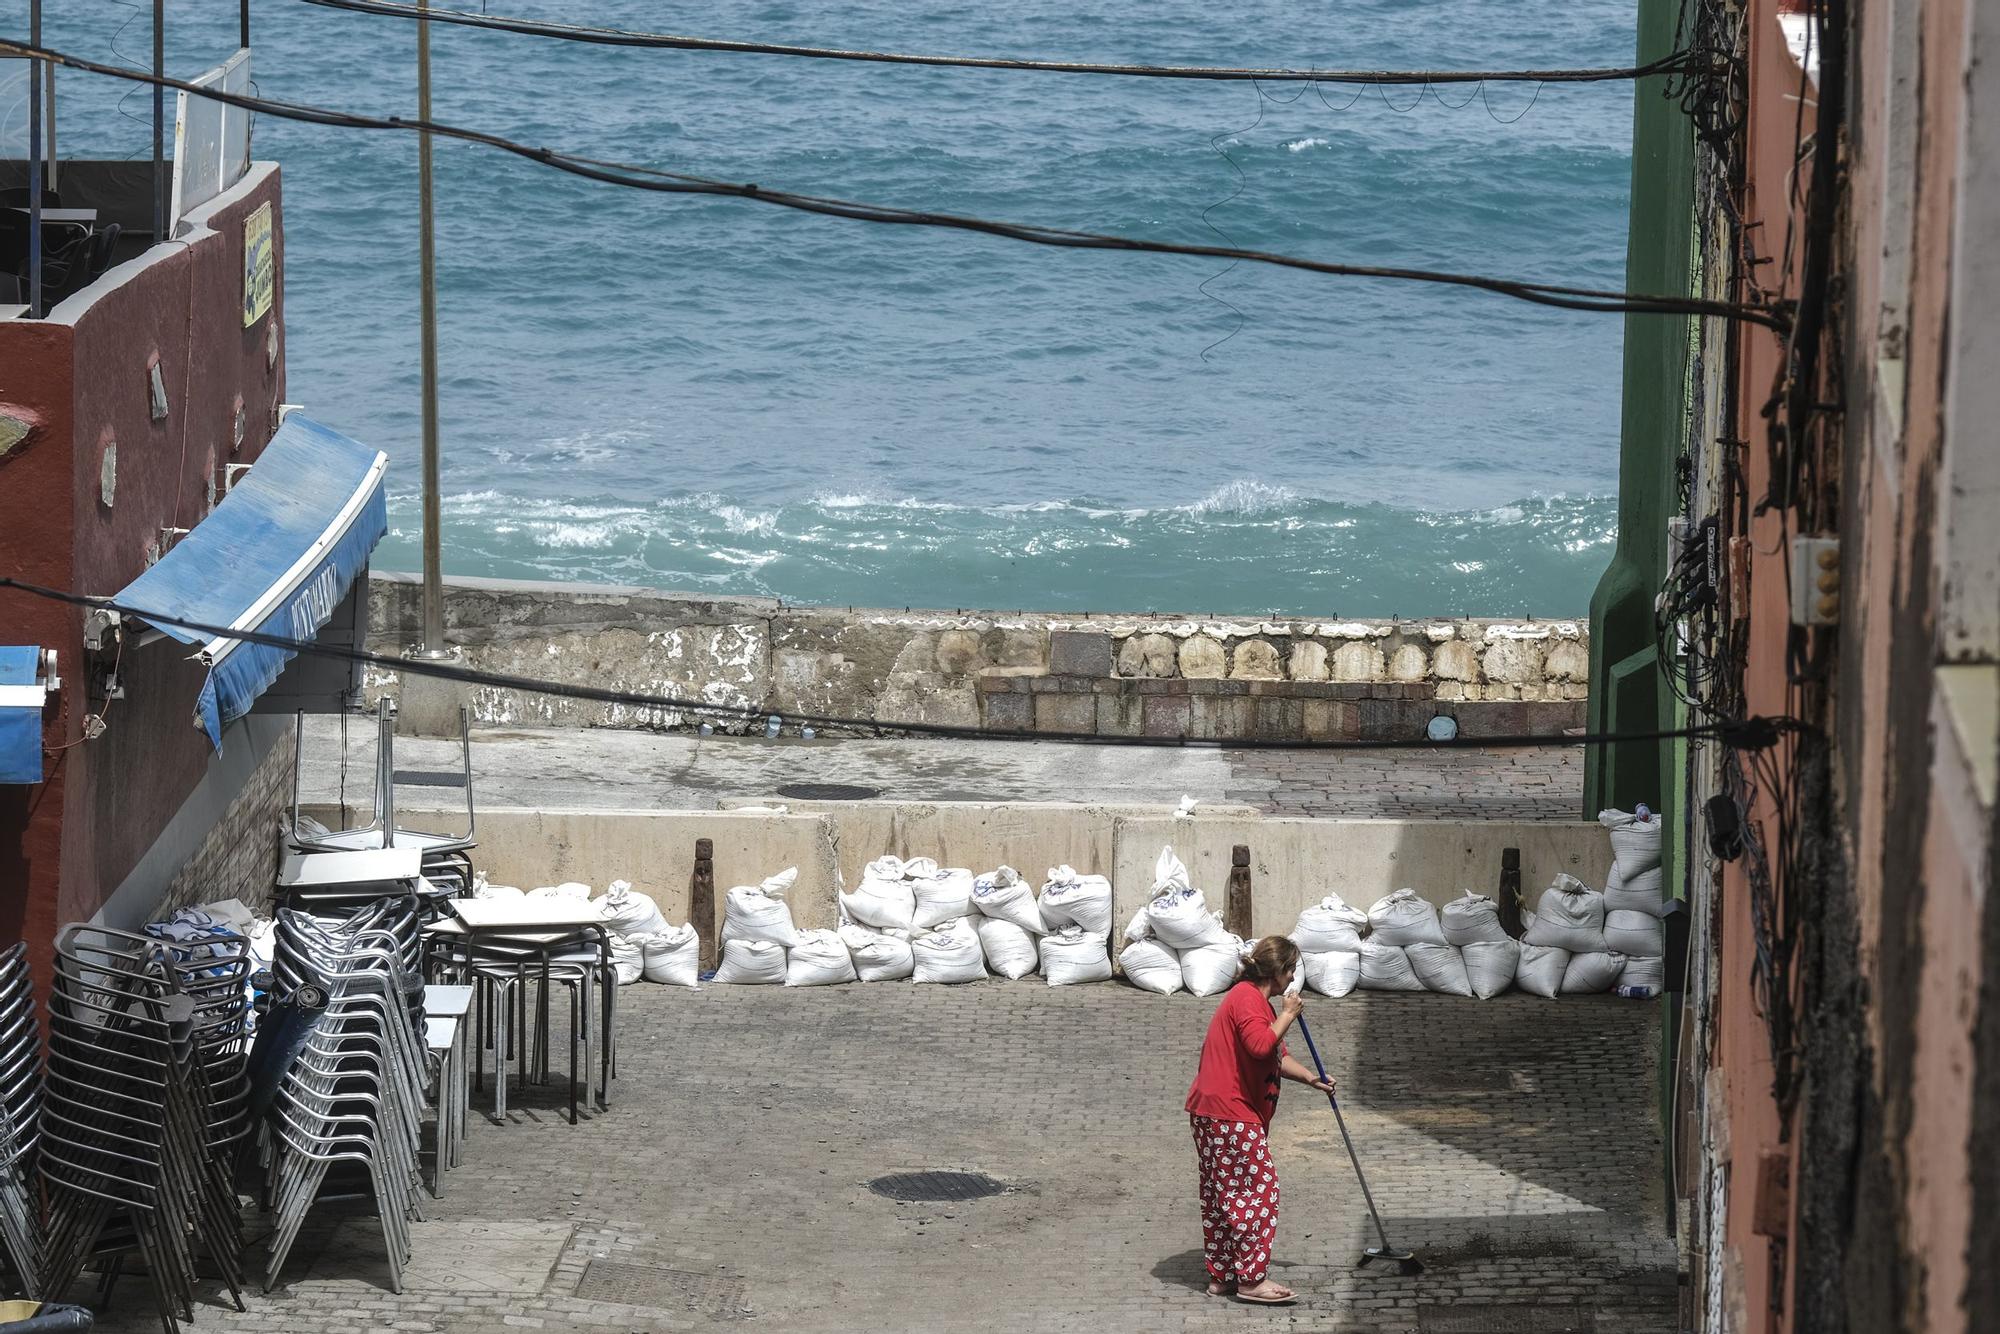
<point x="128" y="1118"/>
<point x="349" y="1096"/>
<point x="20" y="1124"/>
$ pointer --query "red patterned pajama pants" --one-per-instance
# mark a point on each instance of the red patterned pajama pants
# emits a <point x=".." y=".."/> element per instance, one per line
<point x="1239" y="1198"/>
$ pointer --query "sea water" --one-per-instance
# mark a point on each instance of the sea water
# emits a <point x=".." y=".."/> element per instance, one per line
<point x="730" y="398"/>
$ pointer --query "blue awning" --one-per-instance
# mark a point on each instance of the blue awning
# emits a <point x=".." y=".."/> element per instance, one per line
<point x="275" y="557"/>
<point x="22" y="695"/>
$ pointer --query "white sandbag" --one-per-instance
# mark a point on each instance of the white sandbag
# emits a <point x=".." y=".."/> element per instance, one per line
<point x="1005" y="895"/>
<point x="1569" y="916"/>
<point x="1330" y="927"/>
<point x="1635" y="843"/>
<point x="1386" y="967"/>
<point x="1009" y="949"/>
<point x="759" y="912"/>
<point x="1636" y="893"/>
<point x="627" y="912"/>
<point x="1404" y="918"/>
<point x="1333" y="973"/>
<point x="628" y="958"/>
<point x="1628" y="932"/>
<point x="1491" y="965"/>
<point x="944" y="894"/>
<point x="1592" y="971"/>
<point x="1540" y="970"/>
<point x="1644" y="971"/>
<point x="1212" y="968"/>
<point x="1472" y="920"/>
<point x="948" y="952"/>
<point x="1441" y="968"/>
<point x="883" y="899"/>
<point x="482" y="890"/>
<point x="752" y="962"/>
<point x="1070" y="897"/>
<point x="1182" y="921"/>
<point x="1075" y="955"/>
<point x="568" y="889"/>
<point x="1170" y="874"/>
<point x="1151" y="966"/>
<point x="879" y="956"/>
<point x="673" y="956"/>
<point x="1141" y="926"/>
<point x="820" y="959"/>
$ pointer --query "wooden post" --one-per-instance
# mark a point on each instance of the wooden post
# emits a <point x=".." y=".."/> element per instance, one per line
<point x="1236" y="904"/>
<point x="1510" y="891"/>
<point x="701" y="902"/>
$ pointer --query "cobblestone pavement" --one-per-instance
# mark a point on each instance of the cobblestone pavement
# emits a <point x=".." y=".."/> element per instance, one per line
<point x="1513" y="1143"/>
<point x="573" y="768"/>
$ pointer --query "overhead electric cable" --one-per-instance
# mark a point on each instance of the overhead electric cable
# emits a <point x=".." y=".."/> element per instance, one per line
<point x="570" y="32"/>
<point x="1749" y="734"/>
<point x="669" y="182"/>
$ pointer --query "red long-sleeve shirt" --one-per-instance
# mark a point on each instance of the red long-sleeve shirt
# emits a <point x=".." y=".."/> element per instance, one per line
<point x="1238" y="1076"/>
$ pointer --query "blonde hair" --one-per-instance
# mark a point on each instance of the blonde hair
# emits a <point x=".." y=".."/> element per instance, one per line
<point x="1271" y="958"/>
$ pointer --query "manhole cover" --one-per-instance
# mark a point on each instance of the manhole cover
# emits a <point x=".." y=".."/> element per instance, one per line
<point x="661" y="1288"/>
<point x="925" y="1186"/>
<point x="829" y="792"/>
<point x="1463" y="1319"/>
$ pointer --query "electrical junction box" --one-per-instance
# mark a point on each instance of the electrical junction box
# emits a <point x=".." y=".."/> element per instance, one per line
<point x="1815" y="581"/>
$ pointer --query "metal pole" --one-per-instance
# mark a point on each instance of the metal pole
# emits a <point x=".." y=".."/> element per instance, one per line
<point x="35" y="164"/>
<point x="243" y="23"/>
<point x="159" y="122"/>
<point x="433" y="644"/>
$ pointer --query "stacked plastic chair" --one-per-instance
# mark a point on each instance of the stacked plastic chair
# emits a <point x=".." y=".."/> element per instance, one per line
<point x="342" y="1071"/>
<point x="128" y="1119"/>
<point x="20" y="1124"/>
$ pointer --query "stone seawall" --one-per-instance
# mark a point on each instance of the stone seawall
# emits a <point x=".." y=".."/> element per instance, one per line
<point x="1217" y="678"/>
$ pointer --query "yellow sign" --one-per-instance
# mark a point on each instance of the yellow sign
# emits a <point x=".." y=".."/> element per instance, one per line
<point x="260" y="265"/>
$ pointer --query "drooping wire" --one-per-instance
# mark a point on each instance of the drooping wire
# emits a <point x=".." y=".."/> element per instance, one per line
<point x="1217" y="142"/>
<point x="669" y="182"/>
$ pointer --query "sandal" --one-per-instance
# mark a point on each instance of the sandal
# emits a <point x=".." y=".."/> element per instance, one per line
<point x="1221" y="1289"/>
<point x="1283" y="1297"/>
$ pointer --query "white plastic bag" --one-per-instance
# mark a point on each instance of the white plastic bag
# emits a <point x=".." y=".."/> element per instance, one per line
<point x="1005" y="895"/>
<point x="1638" y="893"/>
<point x="482" y="890"/>
<point x="1074" y="955"/>
<point x="1009" y="949"/>
<point x="673" y="956"/>
<point x="759" y="912"/>
<point x="1592" y="971"/>
<point x="752" y="962"/>
<point x="1151" y="966"/>
<point x="1491" y="965"/>
<point x="949" y="952"/>
<point x="879" y="956"/>
<point x="1212" y="968"/>
<point x="1569" y="916"/>
<point x="1635" y="843"/>
<point x="1404" y="918"/>
<point x="568" y="889"/>
<point x="1644" y="971"/>
<point x="1441" y="968"/>
<point x="628" y="958"/>
<point x="1069" y="897"/>
<point x="1628" y="932"/>
<point x="942" y="895"/>
<point x="884" y="898"/>
<point x="1386" y="967"/>
<point x="627" y="912"/>
<point x="1141" y="926"/>
<point x="1170" y="874"/>
<point x="1330" y="927"/>
<point x="1540" y="970"/>
<point x="1472" y="920"/>
<point x="1333" y="973"/>
<point x="820" y="959"/>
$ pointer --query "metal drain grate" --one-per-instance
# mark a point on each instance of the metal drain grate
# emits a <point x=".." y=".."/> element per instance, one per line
<point x="829" y="792"/>
<point x="663" y="1289"/>
<point x="915" y="1187"/>
<point x="1460" y="1318"/>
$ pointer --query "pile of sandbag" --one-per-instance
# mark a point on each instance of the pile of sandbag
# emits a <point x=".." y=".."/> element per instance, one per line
<point x="1402" y="943"/>
<point x="1076" y="910"/>
<point x="643" y="945"/>
<point x="1174" y="942"/>
<point x="1329" y="936"/>
<point x="1405" y="948"/>
<point x="1563" y="950"/>
<point x="908" y="919"/>
<point x="1633" y="899"/>
<point x="1472" y="925"/>
<point x="757" y="930"/>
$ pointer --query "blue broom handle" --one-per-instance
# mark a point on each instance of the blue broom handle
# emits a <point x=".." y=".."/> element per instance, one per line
<point x="1345" y="1138"/>
<point x="1319" y="1065"/>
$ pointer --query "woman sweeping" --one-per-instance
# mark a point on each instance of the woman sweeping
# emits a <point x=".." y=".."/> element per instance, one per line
<point x="1234" y="1096"/>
